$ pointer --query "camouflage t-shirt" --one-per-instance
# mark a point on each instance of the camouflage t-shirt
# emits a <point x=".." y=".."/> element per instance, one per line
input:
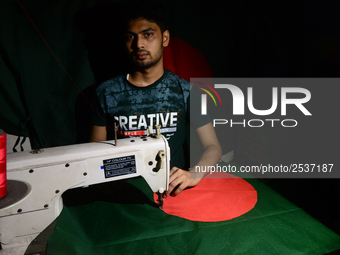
<point x="133" y="108"/>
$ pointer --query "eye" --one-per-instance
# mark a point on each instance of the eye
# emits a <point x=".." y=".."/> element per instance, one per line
<point x="148" y="35"/>
<point x="129" y="36"/>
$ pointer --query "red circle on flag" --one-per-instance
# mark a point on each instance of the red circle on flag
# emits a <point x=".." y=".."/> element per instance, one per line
<point x="218" y="197"/>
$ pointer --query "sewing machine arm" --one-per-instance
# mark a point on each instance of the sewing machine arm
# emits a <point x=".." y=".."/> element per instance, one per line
<point x="44" y="175"/>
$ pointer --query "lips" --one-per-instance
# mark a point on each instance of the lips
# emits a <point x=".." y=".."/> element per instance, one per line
<point x="141" y="55"/>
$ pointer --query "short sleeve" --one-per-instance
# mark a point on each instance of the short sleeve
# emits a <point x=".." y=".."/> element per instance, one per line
<point x="98" y="114"/>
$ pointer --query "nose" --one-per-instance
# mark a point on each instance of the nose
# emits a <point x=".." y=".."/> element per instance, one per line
<point x="138" y="43"/>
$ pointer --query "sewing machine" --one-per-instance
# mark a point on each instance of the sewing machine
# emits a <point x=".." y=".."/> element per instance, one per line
<point x="37" y="179"/>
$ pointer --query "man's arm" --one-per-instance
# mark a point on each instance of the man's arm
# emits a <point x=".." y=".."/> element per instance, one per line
<point x="98" y="133"/>
<point x="181" y="179"/>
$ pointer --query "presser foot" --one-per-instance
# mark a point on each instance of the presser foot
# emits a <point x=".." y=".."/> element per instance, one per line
<point x="160" y="201"/>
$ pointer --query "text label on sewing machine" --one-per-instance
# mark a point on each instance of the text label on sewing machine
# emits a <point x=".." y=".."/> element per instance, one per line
<point x="119" y="166"/>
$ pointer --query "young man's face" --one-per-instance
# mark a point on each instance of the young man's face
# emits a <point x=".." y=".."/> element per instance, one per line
<point x="145" y="42"/>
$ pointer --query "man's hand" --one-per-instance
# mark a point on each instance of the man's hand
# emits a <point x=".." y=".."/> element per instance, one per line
<point x="180" y="180"/>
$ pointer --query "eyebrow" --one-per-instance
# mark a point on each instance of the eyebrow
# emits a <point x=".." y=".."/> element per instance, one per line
<point x="143" y="31"/>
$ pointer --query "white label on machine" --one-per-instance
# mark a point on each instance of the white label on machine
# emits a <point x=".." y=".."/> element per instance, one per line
<point x="119" y="166"/>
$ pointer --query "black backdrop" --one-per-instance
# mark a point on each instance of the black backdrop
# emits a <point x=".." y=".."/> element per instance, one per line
<point x="239" y="39"/>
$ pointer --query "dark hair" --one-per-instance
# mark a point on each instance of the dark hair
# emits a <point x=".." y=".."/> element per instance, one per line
<point x="150" y="10"/>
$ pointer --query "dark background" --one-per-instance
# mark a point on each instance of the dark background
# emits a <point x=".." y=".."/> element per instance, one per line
<point x="42" y="100"/>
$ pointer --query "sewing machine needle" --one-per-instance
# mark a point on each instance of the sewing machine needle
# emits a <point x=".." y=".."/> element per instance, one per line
<point x="160" y="200"/>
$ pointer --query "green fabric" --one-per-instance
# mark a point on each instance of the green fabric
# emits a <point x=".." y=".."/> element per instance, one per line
<point x="273" y="226"/>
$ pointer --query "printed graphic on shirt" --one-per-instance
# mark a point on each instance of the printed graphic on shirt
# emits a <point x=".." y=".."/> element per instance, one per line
<point x="135" y="108"/>
<point x="136" y="125"/>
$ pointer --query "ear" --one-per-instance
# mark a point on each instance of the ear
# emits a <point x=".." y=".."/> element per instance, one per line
<point x="166" y="38"/>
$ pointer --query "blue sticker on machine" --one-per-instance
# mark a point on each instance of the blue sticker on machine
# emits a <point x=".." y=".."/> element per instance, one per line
<point x="119" y="166"/>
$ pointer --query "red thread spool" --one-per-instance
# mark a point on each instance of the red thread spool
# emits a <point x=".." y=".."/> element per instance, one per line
<point x="3" y="179"/>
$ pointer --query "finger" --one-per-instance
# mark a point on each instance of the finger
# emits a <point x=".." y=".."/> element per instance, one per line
<point x="176" y="172"/>
<point x="173" y="183"/>
<point x="174" y="190"/>
<point x="179" y="188"/>
<point x="172" y="177"/>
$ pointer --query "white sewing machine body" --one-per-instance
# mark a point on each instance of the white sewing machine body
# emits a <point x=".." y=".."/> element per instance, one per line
<point x="46" y="175"/>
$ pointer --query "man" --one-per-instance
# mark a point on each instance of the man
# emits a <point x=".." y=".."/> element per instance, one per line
<point x="150" y="95"/>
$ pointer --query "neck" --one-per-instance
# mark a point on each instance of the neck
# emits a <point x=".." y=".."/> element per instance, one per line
<point x="143" y="78"/>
